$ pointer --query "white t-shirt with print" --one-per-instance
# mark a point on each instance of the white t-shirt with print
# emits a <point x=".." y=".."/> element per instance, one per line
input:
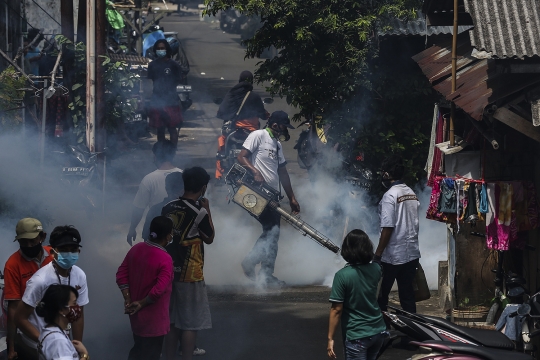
<point x="266" y="155"/>
<point x="39" y="283"/>
<point x="398" y="209"/>
<point x="56" y="345"/>
<point x="152" y="188"/>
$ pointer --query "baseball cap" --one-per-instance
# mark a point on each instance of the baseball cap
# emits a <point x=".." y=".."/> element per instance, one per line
<point x="28" y="228"/>
<point x="281" y="118"/>
<point x="65" y="236"/>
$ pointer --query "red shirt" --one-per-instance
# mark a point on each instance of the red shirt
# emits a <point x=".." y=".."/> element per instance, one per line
<point x="19" y="269"/>
<point x="147" y="271"/>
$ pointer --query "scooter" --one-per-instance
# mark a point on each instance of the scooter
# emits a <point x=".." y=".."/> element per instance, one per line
<point x="79" y="174"/>
<point x="438" y="350"/>
<point x="231" y="21"/>
<point x="424" y="328"/>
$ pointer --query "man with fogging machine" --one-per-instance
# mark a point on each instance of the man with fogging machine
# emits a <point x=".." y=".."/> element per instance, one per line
<point x="398" y="252"/>
<point x="263" y="156"/>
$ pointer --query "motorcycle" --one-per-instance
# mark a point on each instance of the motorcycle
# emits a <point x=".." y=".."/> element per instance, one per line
<point x="424" y="328"/>
<point x="437" y="350"/>
<point x="234" y="139"/>
<point x="80" y="175"/>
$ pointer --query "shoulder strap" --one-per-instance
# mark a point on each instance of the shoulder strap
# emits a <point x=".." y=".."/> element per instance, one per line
<point x="40" y="344"/>
<point x="243" y="102"/>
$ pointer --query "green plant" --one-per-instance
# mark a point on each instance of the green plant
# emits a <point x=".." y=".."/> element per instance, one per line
<point x="11" y="97"/>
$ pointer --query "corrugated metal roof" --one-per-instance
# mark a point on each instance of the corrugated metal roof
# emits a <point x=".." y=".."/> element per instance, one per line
<point x="419" y="27"/>
<point x="478" y="83"/>
<point x="505" y="28"/>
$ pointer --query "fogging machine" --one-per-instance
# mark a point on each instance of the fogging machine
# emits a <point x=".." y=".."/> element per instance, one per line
<point x="256" y="197"/>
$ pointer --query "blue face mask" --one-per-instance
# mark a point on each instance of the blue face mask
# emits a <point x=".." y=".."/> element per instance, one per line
<point x="67" y="259"/>
<point x="161" y="53"/>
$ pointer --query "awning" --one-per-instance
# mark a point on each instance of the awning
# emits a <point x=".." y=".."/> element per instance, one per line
<point x="478" y="83"/>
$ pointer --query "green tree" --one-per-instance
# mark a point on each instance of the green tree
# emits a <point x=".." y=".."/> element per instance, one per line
<point x="325" y="46"/>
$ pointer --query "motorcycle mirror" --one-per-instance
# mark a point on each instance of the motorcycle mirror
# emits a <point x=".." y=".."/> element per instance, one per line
<point x="268" y="100"/>
<point x="524" y="309"/>
<point x="218" y="101"/>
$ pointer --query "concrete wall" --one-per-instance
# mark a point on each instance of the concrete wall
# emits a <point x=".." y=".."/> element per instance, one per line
<point x="45" y="14"/>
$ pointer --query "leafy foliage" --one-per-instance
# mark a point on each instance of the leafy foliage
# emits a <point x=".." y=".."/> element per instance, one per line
<point x="325" y="46"/>
<point x="11" y="96"/>
<point x="119" y="83"/>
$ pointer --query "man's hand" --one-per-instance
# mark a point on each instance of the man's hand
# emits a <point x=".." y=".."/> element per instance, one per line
<point x="12" y="354"/>
<point x="257" y="175"/>
<point x="330" y="349"/>
<point x="295" y="207"/>
<point x="205" y="204"/>
<point x="132" y="236"/>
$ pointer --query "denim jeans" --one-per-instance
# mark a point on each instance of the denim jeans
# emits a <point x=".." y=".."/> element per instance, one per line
<point x="266" y="248"/>
<point x="365" y="348"/>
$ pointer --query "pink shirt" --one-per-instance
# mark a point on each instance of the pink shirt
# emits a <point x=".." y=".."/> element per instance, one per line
<point x="147" y="271"/>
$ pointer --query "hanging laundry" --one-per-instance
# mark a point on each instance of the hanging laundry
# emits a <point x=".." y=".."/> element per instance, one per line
<point x="447" y="201"/>
<point x="505" y="203"/>
<point x="433" y="211"/>
<point x="483" y="207"/>
<point x="471" y="214"/>
<point x="437" y="156"/>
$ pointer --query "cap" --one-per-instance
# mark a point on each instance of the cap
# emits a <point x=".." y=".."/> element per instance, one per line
<point x="65" y="236"/>
<point x="28" y="228"/>
<point x="246" y="76"/>
<point x="281" y="118"/>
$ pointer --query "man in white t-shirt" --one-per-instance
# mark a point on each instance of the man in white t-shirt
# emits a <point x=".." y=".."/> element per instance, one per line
<point x="263" y="156"/>
<point x="398" y="250"/>
<point x="152" y="187"/>
<point x="65" y="243"/>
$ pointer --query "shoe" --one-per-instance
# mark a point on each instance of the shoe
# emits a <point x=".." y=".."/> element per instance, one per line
<point x="273" y="281"/>
<point x="196" y="352"/>
<point x="249" y="271"/>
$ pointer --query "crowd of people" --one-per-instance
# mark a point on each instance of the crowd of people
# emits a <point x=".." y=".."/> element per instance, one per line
<point x="162" y="279"/>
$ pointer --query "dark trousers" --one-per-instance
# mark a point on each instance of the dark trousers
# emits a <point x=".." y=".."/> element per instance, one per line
<point x="404" y="274"/>
<point x="146" y="348"/>
<point x="24" y="351"/>
<point x="265" y="249"/>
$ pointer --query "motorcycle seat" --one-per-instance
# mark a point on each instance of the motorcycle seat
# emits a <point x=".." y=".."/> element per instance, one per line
<point x="488" y="338"/>
<point x="483" y="352"/>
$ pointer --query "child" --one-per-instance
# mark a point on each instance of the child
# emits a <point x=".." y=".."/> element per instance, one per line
<point x="354" y="301"/>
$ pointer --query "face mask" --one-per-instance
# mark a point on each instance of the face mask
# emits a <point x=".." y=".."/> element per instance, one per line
<point x="31" y="251"/>
<point x="170" y="242"/>
<point x="282" y="135"/>
<point x="386" y="182"/>
<point x="202" y="196"/>
<point x="161" y="53"/>
<point x="67" y="259"/>
<point x="74" y="313"/>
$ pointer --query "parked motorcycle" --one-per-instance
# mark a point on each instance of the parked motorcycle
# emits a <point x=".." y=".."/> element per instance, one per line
<point x="80" y="176"/>
<point x="438" y="350"/>
<point x="422" y="328"/>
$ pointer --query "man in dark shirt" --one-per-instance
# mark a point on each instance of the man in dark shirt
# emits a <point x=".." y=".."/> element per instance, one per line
<point x="192" y="228"/>
<point x="165" y="74"/>
<point x="244" y="108"/>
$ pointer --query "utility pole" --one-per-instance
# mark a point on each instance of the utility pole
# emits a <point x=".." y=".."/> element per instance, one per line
<point x="90" y="74"/>
<point x="66" y="14"/>
<point x="101" y="49"/>
<point x="454" y="70"/>
<point x="81" y="22"/>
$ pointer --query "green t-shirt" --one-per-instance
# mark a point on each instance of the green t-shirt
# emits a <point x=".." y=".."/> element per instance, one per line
<point x="356" y="287"/>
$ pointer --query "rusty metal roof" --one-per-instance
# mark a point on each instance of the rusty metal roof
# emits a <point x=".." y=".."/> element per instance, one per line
<point x="505" y="28"/>
<point x="478" y="83"/>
